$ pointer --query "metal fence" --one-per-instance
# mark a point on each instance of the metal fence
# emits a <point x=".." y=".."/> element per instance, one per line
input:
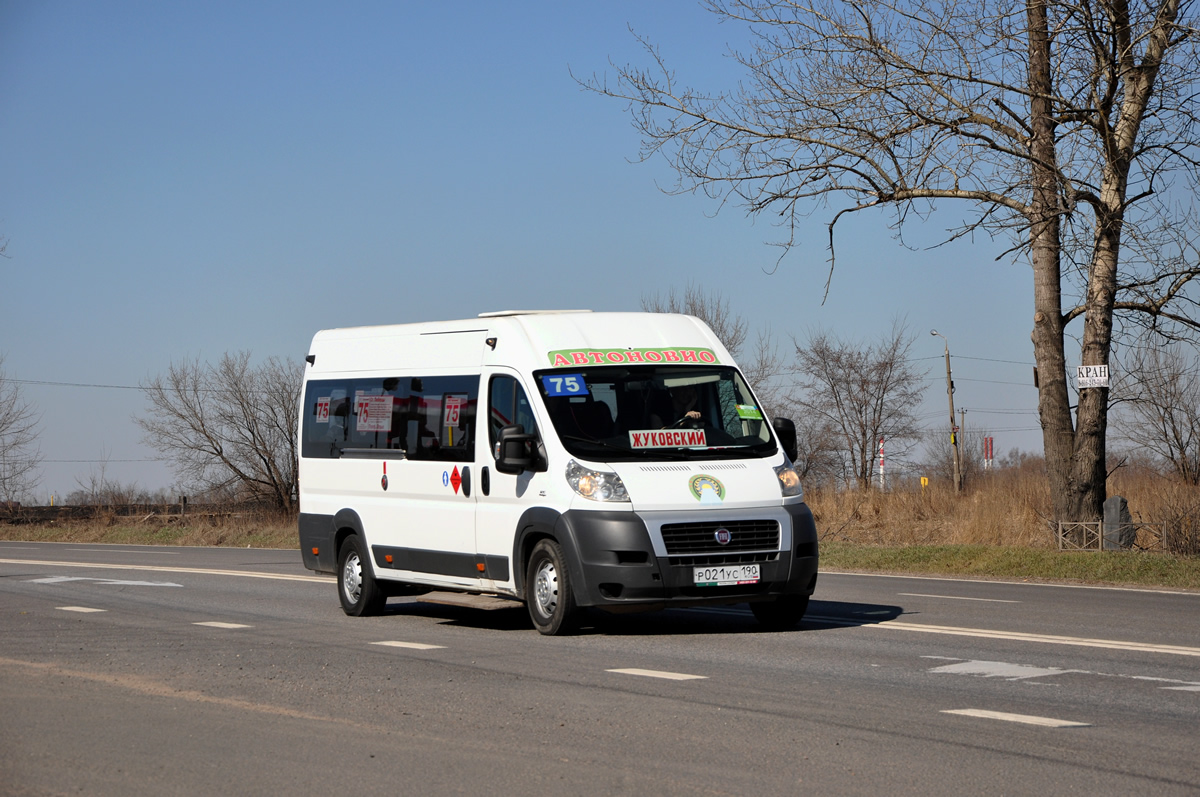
<point x="1091" y="536"/>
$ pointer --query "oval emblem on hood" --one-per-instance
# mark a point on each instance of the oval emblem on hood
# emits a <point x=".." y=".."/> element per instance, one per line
<point x="706" y="489"/>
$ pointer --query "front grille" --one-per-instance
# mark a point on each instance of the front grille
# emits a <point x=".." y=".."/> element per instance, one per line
<point x="725" y="559"/>
<point x="684" y="539"/>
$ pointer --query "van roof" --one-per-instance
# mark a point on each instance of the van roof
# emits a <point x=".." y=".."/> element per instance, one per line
<point x="501" y="313"/>
<point x="519" y="339"/>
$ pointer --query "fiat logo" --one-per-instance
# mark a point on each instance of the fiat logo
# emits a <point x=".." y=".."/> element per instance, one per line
<point x="723" y="536"/>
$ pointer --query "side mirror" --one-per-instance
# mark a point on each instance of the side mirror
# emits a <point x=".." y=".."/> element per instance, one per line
<point x="518" y="450"/>
<point x="785" y="430"/>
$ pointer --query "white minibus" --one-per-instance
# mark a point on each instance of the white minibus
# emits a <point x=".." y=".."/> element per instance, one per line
<point x="566" y="459"/>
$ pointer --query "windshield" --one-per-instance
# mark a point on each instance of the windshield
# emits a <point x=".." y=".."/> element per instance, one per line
<point x="621" y="413"/>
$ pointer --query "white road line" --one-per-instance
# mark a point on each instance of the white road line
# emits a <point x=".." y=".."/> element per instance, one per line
<point x="841" y="621"/>
<point x="954" y="597"/>
<point x="670" y="676"/>
<point x="108" y="581"/>
<point x="164" y="569"/>
<point x="215" y="624"/>
<point x="1004" y="669"/>
<point x="110" y="550"/>
<point x="1045" y="722"/>
<point x="1001" y="669"/>
<point x="79" y="609"/>
<point x="410" y="645"/>
<point x="1049" y="639"/>
<point x="1014" y="583"/>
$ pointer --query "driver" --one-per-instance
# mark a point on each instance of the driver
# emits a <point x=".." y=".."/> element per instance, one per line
<point x="684" y="406"/>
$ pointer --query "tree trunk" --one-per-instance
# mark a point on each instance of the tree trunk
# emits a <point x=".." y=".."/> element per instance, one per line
<point x="1054" y="406"/>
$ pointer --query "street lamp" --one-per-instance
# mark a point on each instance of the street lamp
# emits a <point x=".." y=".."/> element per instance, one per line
<point x="953" y="428"/>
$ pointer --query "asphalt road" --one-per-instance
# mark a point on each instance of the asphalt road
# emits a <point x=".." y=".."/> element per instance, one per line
<point x="135" y="670"/>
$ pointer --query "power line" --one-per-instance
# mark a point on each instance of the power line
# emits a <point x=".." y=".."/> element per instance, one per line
<point x="94" y="461"/>
<point x="71" y="384"/>
<point x="990" y="360"/>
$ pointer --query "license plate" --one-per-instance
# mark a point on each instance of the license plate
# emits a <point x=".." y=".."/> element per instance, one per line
<point x="722" y="575"/>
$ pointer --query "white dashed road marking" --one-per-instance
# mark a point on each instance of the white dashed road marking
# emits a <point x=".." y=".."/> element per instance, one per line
<point x="1049" y="639"/>
<point x="165" y="569"/>
<point x="670" y="676"/>
<point x="1045" y="722"/>
<point x="1000" y="669"/>
<point x="215" y="624"/>
<point x="953" y="597"/>
<point x="109" y="581"/>
<point x="409" y="645"/>
<point x="79" y="609"/>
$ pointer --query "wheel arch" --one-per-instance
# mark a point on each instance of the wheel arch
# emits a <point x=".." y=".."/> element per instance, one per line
<point x="345" y="523"/>
<point x="536" y="524"/>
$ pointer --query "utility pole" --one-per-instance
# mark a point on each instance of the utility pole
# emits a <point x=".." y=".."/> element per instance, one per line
<point x="962" y="435"/>
<point x="953" y="425"/>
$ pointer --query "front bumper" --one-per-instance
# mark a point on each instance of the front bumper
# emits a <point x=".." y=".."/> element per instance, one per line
<point x="620" y="563"/>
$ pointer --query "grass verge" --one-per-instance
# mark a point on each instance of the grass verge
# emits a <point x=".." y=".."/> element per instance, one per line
<point x="273" y="533"/>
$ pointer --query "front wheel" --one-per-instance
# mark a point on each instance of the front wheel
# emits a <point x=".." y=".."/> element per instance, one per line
<point x="783" y="613"/>
<point x="360" y="595"/>
<point x="548" y="590"/>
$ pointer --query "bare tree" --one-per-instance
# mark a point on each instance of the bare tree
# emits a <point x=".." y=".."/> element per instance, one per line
<point x="1159" y="394"/>
<point x="19" y="454"/>
<point x="938" y="460"/>
<point x="713" y="310"/>
<point x="864" y="393"/>
<point x="229" y="425"/>
<point x="100" y="490"/>
<point x="760" y="360"/>
<point x="1061" y="124"/>
<point x="820" y="459"/>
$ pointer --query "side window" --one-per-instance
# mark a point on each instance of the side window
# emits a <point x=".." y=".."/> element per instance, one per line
<point x="426" y="418"/>
<point x="440" y="418"/>
<point x="507" y="405"/>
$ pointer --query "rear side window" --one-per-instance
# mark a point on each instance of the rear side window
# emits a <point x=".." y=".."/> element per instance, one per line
<point x="425" y="417"/>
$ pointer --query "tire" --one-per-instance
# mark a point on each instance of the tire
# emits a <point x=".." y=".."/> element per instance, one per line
<point x="548" y="593"/>
<point x="781" y="614"/>
<point x="360" y="595"/>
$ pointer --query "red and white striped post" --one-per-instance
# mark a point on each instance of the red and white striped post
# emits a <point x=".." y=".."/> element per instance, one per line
<point x="882" y="482"/>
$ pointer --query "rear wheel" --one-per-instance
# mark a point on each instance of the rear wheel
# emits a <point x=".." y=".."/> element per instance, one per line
<point x="359" y="593"/>
<point x="783" y="613"/>
<point x="548" y="592"/>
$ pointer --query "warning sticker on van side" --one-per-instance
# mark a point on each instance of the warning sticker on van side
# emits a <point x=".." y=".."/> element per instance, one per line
<point x="667" y="438"/>
<point x="563" y="358"/>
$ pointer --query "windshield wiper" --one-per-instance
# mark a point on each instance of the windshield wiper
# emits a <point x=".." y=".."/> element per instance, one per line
<point x="592" y="442"/>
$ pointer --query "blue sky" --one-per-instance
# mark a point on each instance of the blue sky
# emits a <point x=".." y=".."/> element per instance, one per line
<point x="185" y="179"/>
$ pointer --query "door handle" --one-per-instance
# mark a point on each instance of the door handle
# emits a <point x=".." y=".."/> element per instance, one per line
<point x="485" y="481"/>
<point x="466" y="481"/>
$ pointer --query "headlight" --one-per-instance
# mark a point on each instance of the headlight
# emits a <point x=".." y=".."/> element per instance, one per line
<point x="789" y="481"/>
<point x="596" y="485"/>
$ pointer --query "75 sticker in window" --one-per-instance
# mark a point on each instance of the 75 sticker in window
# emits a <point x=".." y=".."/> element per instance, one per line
<point x="564" y="385"/>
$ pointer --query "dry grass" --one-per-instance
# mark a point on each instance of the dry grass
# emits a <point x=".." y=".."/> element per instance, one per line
<point x="1005" y="511"/>
<point x="1006" y="508"/>
<point x="250" y="530"/>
